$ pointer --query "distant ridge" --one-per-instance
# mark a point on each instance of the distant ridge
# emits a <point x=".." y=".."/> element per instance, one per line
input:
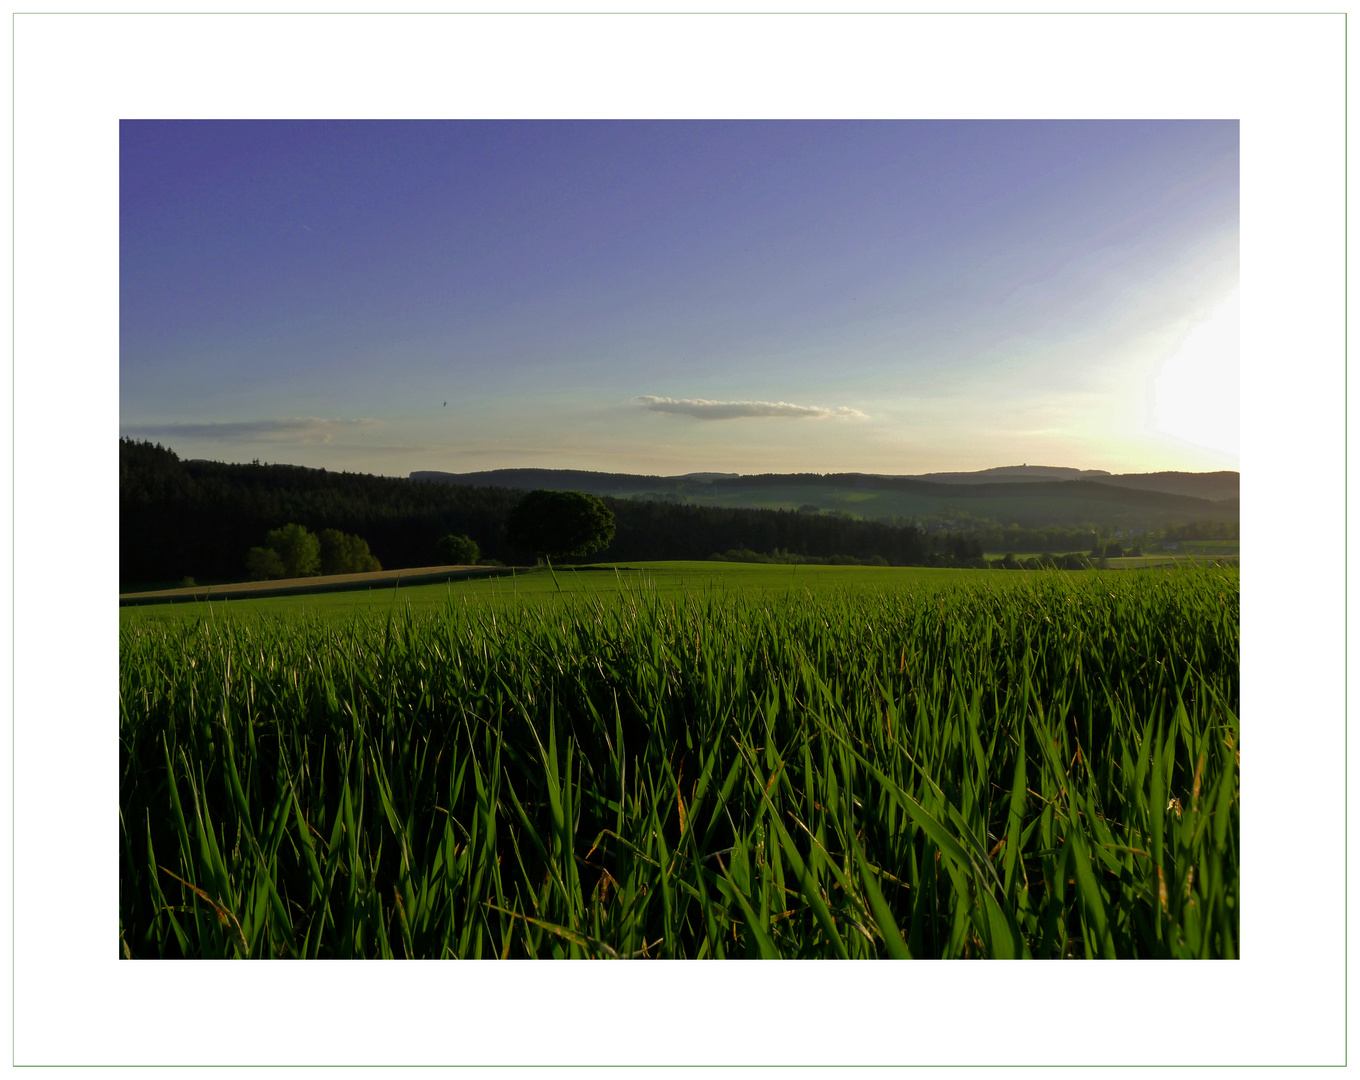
<point x="1213" y="486"/>
<point x="1013" y="474"/>
<point x="596" y="483"/>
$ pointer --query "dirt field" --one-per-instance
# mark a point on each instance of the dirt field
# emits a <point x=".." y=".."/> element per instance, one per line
<point x="420" y="575"/>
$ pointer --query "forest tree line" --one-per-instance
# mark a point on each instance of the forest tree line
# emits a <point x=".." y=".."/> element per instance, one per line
<point x="1092" y="537"/>
<point x="202" y="518"/>
<point x="207" y="520"/>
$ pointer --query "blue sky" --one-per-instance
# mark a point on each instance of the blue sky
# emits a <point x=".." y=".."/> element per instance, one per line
<point x="894" y="297"/>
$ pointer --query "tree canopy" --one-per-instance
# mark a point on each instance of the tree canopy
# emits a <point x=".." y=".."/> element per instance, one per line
<point x="264" y="564"/>
<point x="558" y="523"/>
<point x="342" y="553"/>
<point x="294" y="551"/>
<point x="457" y="550"/>
<point x="297" y="554"/>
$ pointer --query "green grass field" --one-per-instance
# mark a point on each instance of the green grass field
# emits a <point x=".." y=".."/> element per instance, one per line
<point x="688" y="760"/>
<point x="666" y="578"/>
<point x="1139" y="562"/>
<point x="1209" y="547"/>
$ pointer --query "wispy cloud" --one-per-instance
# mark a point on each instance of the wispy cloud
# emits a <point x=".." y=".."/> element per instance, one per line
<point x="732" y="410"/>
<point x="304" y="430"/>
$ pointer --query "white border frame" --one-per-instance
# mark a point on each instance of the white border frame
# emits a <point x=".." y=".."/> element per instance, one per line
<point x="76" y="75"/>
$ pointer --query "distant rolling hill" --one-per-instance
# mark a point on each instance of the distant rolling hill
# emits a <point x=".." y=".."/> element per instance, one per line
<point x="1211" y="485"/>
<point x="595" y="483"/>
<point x="1013" y="474"/>
<point x="1028" y="495"/>
<point x="1218" y="486"/>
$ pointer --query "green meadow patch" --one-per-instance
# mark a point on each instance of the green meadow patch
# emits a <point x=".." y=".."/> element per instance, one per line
<point x="602" y="581"/>
<point x="688" y="760"/>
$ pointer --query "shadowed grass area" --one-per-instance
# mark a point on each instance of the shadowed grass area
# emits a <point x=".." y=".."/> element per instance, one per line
<point x="987" y="764"/>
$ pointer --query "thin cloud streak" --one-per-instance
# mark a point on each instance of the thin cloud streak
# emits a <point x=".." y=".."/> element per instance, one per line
<point x="305" y="430"/>
<point x="704" y="409"/>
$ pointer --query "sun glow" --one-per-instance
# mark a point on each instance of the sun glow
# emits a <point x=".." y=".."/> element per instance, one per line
<point x="1197" y="386"/>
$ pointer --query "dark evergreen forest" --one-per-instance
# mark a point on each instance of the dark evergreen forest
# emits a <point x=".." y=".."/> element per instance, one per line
<point x="200" y="518"/>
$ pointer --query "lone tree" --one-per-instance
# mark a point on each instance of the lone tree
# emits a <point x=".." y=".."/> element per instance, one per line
<point x="558" y="523"/>
<point x="457" y="550"/>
